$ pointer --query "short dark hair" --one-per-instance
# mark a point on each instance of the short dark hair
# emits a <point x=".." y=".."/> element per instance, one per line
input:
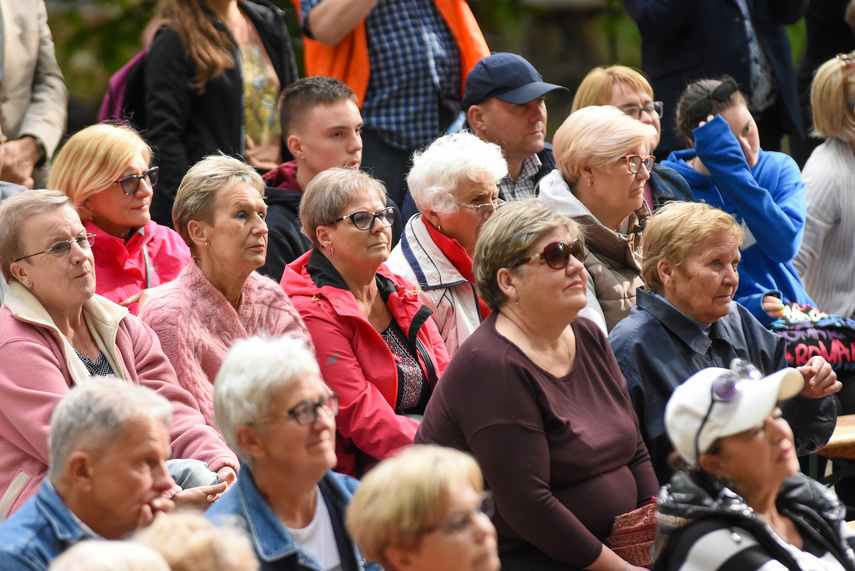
<point x="305" y="93"/>
<point x="700" y="89"/>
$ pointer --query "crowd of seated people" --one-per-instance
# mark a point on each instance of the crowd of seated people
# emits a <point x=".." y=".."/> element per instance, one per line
<point x="561" y="335"/>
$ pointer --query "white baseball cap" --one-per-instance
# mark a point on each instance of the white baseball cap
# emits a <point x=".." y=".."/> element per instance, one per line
<point x="716" y="402"/>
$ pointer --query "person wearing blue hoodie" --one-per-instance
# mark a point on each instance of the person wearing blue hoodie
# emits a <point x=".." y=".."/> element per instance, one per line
<point x="763" y="190"/>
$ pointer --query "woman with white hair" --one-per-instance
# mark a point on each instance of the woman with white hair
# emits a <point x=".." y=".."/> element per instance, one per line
<point x="278" y="415"/>
<point x="454" y="184"/>
<point x="603" y="162"/>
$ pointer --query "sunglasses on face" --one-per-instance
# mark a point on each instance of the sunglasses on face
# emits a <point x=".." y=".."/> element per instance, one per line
<point x="652" y="108"/>
<point x="63" y="247"/>
<point x="701" y="108"/>
<point x="307" y="411"/>
<point x="557" y="254"/>
<point x="634" y="162"/>
<point x="131" y="184"/>
<point x="364" y="220"/>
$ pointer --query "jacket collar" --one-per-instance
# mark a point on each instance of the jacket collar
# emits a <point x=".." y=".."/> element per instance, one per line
<point x="431" y="267"/>
<point x="67" y="528"/>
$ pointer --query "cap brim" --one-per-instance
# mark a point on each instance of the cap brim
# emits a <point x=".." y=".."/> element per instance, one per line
<point x="761" y="397"/>
<point x="528" y="92"/>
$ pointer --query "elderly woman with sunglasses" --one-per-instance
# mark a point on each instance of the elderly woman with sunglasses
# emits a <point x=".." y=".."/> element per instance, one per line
<point x="527" y="393"/>
<point x="279" y="416"/>
<point x="726" y="168"/>
<point x="453" y="183"/>
<point x="218" y="298"/>
<point x="55" y="332"/>
<point x="377" y="345"/>
<point x="105" y="171"/>
<point x="604" y="162"/>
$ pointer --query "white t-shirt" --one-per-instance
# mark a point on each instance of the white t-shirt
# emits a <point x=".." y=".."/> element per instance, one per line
<point x="317" y="540"/>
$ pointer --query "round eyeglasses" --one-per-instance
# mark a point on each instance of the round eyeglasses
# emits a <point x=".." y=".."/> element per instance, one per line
<point x="131" y="183"/>
<point x="463" y="519"/>
<point x="63" y="247"/>
<point x="652" y="108"/>
<point x="483" y="211"/>
<point x="364" y="220"/>
<point x="307" y="411"/>
<point x="634" y="162"/>
<point x="557" y="254"/>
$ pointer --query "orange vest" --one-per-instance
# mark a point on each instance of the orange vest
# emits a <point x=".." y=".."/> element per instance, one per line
<point x="347" y="60"/>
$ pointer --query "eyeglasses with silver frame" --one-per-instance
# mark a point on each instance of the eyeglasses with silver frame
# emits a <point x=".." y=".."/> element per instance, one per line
<point x="485" y="210"/>
<point x="652" y="108"/>
<point x="63" y="247"/>
<point x="461" y="520"/>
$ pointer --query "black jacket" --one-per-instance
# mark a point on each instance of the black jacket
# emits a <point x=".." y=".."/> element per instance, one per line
<point x="183" y="124"/>
<point x="285" y="239"/>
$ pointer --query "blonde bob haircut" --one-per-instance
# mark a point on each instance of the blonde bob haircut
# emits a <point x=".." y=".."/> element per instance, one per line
<point x="404" y="495"/>
<point x="197" y="194"/>
<point x="832" y="114"/>
<point x="596" y="88"/>
<point x="505" y="239"/>
<point x="676" y="230"/>
<point x="93" y="159"/>
<point x="326" y="196"/>
<point x="15" y="213"/>
<point x="596" y="137"/>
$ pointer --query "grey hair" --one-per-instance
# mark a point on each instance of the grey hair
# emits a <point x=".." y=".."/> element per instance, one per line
<point x="15" y="212"/>
<point x="93" y="415"/>
<point x="505" y="239"/>
<point x="251" y="375"/>
<point x="328" y="193"/>
<point x="197" y="193"/>
<point x="446" y="163"/>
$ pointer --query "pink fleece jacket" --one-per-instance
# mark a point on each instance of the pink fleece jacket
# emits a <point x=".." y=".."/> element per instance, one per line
<point x="197" y="326"/>
<point x="37" y="367"/>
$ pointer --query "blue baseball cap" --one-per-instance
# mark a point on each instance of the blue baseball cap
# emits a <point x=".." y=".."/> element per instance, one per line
<point x="507" y="77"/>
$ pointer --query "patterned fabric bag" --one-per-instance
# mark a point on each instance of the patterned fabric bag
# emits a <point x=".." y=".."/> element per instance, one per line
<point x="632" y="535"/>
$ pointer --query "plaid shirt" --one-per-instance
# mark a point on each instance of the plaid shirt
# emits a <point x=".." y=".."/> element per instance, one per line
<point x="415" y="65"/>
<point x="524" y="186"/>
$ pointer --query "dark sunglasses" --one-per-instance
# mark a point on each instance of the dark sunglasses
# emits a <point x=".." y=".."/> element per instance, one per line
<point x="557" y="254"/>
<point x="701" y="108"/>
<point x="364" y="220"/>
<point x="131" y="184"/>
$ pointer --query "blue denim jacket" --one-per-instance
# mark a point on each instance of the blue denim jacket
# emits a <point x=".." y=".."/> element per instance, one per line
<point x="274" y="546"/>
<point x="38" y="532"/>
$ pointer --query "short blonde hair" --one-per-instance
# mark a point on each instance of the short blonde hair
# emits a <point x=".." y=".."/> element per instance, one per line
<point x="328" y="193"/>
<point x="832" y="113"/>
<point x="507" y="236"/>
<point x="596" y="88"/>
<point x="595" y="137"/>
<point x="197" y="194"/>
<point x="15" y="212"/>
<point x="404" y="495"/>
<point x="93" y="159"/>
<point x="109" y="555"/>
<point x="676" y="230"/>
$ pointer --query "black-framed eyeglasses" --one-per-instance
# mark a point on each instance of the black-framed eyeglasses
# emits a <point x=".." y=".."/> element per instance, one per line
<point x="557" y="254"/>
<point x="463" y="519"/>
<point x="63" y="247"/>
<point x="307" y="411"/>
<point x="634" y="162"/>
<point x="654" y="107"/>
<point x="131" y="183"/>
<point x="701" y="108"/>
<point x="364" y="220"/>
<point x="484" y="211"/>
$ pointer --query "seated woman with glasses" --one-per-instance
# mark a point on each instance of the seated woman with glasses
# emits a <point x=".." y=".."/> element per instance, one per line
<point x="603" y="163"/>
<point x="535" y="395"/>
<point x="219" y="297"/>
<point x="453" y="183"/>
<point x="278" y="415"/>
<point x="105" y="171"/>
<point x="726" y="168"/>
<point x="425" y="510"/>
<point x="377" y="345"/>
<point x="740" y="502"/>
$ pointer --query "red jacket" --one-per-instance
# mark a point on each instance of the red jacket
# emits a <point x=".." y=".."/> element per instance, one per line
<point x="356" y="362"/>
<point x="120" y="267"/>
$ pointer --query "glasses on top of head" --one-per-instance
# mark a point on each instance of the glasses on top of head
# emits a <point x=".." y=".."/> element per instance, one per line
<point x="701" y="108"/>
<point x="652" y="108"/>
<point x="557" y="254"/>
<point x="63" y="247"/>
<point x="131" y="183"/>
<point x="307" y="411"/>
<point x="364" y="220"/>
<point x="634" y="162"/>
<point x="463" y="519"/>
<point x="484" y="211"/>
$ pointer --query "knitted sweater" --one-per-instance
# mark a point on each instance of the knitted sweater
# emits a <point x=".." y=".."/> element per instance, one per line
<point x="197" y="326"/>
<point x="825" y="262"/>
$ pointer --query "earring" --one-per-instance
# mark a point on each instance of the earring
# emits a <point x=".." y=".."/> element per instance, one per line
<point x="332" y="250"/>
<point x="29" y="283"/>
<point x="207" y="243"/>
<point x="590" y="180"/>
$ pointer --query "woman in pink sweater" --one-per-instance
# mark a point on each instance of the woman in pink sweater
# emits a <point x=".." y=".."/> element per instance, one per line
<point x="219" y="212"/>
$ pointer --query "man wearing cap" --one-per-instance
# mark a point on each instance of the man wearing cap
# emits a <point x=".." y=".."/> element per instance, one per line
<point x="505" y="104"/>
